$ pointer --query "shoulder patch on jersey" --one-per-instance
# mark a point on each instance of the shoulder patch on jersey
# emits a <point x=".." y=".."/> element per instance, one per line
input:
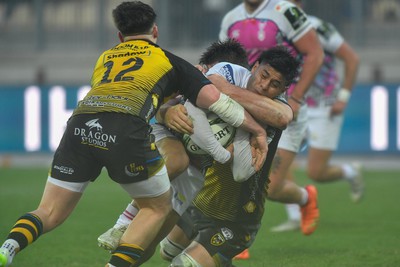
<point x="295" y="16"/>
<point x="228" y="73"/>
<point x="326" y="30"/>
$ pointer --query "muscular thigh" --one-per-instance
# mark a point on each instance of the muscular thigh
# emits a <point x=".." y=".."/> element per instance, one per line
<point x="172" y="150"/>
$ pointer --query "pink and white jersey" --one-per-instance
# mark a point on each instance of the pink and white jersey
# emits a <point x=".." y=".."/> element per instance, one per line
<point x="326" y="84"/>
<point x="274" y="23"/>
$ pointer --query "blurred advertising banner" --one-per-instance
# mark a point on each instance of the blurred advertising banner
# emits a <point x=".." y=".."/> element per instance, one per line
<point x="32" y="118"/>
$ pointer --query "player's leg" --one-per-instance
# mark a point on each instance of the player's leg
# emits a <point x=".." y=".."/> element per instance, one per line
<point x="153" y="196"/>
<point x="180" y="236"/>
<point x="285" y="191"/>
<point x="293" y="212"/>
<point x="176" y="161"/>
<point x="324" y="138"/>
<point x="58" y="201"/>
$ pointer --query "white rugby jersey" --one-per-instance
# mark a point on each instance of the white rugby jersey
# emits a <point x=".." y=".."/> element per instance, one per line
<point x="274" y="23"/>
<point x="326" y="83"/>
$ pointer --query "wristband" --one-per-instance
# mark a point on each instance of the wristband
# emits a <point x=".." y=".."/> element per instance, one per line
<point x="300" y="102"/>
<point x="344" y="95"/>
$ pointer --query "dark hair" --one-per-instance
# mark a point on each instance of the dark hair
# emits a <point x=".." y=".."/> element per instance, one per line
<point x="229" y="50"/>
<point x="134" y="18"/>
<point x="282" y="61"/>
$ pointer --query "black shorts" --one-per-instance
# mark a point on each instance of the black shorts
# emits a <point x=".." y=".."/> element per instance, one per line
<point x="119" y="142"/>
<point x="222" y="239"/>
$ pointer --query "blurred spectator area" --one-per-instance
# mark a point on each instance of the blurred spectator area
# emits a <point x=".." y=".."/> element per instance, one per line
<point x="58" y="41"/>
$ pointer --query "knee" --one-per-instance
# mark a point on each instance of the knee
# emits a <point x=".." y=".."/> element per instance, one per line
<point x="184" y="260"/>
<point x="169" y="250"/>
<point x="315" y="173"/>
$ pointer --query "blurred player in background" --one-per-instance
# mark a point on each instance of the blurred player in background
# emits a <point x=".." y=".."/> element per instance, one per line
<point x="110" y="128"/>
<point x="262" y="24"/>
<point x="327" y="100"/>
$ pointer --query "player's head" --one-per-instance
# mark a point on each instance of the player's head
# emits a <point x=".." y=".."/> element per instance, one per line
<point x="273" y="72"/>
<point x="229" y="50"/>
<point x="135" y="18"/>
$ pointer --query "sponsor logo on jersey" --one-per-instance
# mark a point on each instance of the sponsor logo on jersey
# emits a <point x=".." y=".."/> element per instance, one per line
<point x="295" y="16"/>
<point x="250" y="207"/>
<point x="228" y="73"/>
<point x="227" y="233"/>
<point x="94" y="135"/>
<point x="133" y="170"/>
<point x="217" y="239"/>
<point x="127" y="54"/>
<point x="64" y="169"/>
<point x="94" y="123"/>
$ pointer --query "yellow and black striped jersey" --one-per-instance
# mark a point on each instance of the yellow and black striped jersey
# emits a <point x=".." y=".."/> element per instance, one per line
<point x="136" y="77"/>
<point x="224" y="199"/>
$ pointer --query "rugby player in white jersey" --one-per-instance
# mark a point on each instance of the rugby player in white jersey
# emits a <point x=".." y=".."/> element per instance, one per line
<point x="327" y="99"/>
<point x="260" y="25"/>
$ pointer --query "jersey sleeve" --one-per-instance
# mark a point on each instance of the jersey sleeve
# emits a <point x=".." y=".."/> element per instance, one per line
<point x="292" y="20"/>
<point x="328" y="35"/>
<point x="187" y="79"/>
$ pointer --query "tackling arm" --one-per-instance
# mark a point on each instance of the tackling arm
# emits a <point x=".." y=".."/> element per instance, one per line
<point x="266" y="110"/>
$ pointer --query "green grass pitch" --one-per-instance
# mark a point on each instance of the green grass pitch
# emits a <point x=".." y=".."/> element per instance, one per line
<point x="363" y="234"/>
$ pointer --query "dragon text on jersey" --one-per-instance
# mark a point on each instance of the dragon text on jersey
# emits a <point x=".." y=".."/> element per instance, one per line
<point x="92" y="134"/>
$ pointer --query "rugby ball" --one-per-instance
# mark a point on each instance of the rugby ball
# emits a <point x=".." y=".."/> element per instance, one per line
<point x="223" y="132"/>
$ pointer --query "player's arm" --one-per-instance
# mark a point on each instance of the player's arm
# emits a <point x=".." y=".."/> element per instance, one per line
<point x="351" y="63"/>
<point x="234" y="114"/>
<point x="309" y="46"/>
<point x="203" y="135"/>
<point x="266" y="110"/>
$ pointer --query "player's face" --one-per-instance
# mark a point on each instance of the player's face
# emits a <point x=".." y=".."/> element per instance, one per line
<point x="266" y="81"/>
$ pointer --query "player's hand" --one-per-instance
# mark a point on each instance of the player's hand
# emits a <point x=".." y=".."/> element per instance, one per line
<point x="201" y="68"/>
<point x="259" y="150"/>
<point x="230" y="148"/>
<point x="338" y="108"/>
<point x="177" y="119"/>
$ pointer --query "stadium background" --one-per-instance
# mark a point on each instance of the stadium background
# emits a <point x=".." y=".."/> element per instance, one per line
<point x="48" y="49"/>
<point x="47" y="52"/>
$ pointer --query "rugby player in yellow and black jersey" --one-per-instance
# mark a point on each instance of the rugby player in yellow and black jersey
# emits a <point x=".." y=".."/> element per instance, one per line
<point x="110" y="128"/>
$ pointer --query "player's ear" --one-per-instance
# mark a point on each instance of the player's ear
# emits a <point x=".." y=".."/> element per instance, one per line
<point x="155" y="31"/>
<point x="121" y="37"/>
<point x="255" y="66"/>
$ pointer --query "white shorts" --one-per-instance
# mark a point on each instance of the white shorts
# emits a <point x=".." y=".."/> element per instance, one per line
<point x="323" y="130"/>
<point x="296" y="131"/>
<point x="187" y="184"/>
<point x="160" y="132"/>
<point x="185" y="188"/>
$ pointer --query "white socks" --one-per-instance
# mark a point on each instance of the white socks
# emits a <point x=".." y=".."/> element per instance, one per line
<point x="304" y="196"/>
<point x="10" y="246"/>
<point x="127" y="216"/>
<point x="293" y="212"/>
<point x="349" y="172"/>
